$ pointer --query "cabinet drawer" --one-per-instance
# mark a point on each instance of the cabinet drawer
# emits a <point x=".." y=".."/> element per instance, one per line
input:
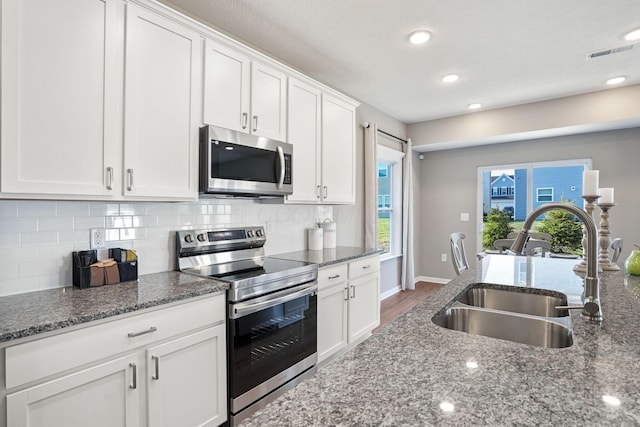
<point x="330" y="276"/>
<point x="364" y="266"/>
<point x="47" y="356"/>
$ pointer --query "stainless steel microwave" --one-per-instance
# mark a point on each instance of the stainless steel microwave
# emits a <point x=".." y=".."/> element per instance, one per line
<point x="238" y="164"/>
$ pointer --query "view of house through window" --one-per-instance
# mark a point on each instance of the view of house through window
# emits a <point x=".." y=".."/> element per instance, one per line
<point x="389" y="200"/>
<point x="507" y="193"/>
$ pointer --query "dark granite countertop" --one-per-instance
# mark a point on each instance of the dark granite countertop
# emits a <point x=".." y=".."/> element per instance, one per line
<point x="28" y="314"/>
<point x="327" y="257"/>
<point x="415" y="373"/>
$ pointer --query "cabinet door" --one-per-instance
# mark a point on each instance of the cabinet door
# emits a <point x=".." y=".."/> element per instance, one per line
<point x="268" y="102"/>
<point x="187" y="380"/>
<point x="59" y="96"/>
<point x="105" y="395"/>
<point x="304" y="133"/>
<point x="227" y="83"/>
<point x="162" y="89"/>
<point x="338" y="151"/>
<point x="332" y="320"/>
<point x="364" y="306"/>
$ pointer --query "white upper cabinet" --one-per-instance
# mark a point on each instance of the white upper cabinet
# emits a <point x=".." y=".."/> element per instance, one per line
<point x="304" y="133"/>
<point x="338" y="151"/>
<point x="162" y="87"/>
<point x="243" y="95"/>
<point x="60" y="97"/>
<point x="227" y="80"/>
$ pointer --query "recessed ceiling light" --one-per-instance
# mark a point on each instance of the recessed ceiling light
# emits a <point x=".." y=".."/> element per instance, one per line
<point x="419" y="36"/>
<point x="616" y="80"/>
<point x="633" y="35"/>
<point x="450" y="78"/>
<point x="474" y="106"/>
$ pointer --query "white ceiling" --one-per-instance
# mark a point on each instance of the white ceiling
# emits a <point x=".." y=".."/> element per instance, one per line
<point x="508" y="52"/>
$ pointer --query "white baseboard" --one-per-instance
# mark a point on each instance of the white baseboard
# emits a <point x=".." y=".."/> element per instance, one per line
<point x="387" y="294"/>
<point x="432" y="279"/>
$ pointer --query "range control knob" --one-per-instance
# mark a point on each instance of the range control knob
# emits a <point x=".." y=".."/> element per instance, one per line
<point x="188" y="238"/>
<point x="259" y="233"/>
<point x="201" y="237"/>
<point x="249" y="233"/>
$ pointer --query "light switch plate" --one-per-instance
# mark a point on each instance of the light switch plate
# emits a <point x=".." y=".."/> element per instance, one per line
<point x="464" y="216"/>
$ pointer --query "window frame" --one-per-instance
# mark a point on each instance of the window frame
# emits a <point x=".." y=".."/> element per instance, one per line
<point x="394" y="158"/>
<point x="538" y="195"/>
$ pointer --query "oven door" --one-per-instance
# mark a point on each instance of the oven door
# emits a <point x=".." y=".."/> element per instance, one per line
<point x="245" y="164"/>
<point x="272" y="340"/>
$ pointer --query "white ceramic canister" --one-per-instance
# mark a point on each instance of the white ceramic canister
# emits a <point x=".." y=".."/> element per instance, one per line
<point x="329" y="239"/>
<point x="314" y="239"/>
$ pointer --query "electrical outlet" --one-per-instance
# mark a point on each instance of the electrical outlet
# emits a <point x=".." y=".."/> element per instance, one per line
<point x="97" y="238"/>
<point x="464" y="216"/>
<point x="443" y="257"/>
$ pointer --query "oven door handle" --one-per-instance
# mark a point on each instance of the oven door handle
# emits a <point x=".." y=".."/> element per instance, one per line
<point x="248" y="307"/>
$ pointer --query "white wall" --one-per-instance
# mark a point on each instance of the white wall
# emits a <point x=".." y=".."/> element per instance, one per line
<point x="37" y="237"/>
<point x="448" y="187"/>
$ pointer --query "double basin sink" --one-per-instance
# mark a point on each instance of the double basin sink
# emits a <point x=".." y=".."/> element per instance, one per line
<point x="523" y="315"/>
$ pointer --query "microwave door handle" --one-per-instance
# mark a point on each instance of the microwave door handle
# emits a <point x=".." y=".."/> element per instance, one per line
<point x="281" y="157"/>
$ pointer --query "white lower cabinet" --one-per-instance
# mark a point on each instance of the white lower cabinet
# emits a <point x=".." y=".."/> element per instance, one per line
<point x="348" y="304"/>
<point x="187" y="382"/>
<point x="162" y="368"/>
<point x="105" y="395"/>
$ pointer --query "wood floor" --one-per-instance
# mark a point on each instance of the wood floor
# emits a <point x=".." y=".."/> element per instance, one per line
<point x="404" y="301"/>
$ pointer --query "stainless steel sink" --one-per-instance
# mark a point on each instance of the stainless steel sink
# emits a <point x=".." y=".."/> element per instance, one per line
<point x="523" y="315"/>
<point x="526" y="329"/>
<point x="514" y="299"/>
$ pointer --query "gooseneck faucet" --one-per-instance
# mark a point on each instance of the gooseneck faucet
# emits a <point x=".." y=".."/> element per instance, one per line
<point x="591" y="308"/>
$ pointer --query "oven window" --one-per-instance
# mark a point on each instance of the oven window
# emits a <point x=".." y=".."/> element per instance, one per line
<point x="238" y="162"/>
<point x="270" y="341"/>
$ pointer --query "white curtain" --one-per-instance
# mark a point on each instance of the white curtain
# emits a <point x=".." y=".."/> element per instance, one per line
<point x="370" y="185"/>
<point x="408" y="276"/>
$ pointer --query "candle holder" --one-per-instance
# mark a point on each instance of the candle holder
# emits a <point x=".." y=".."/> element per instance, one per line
<point x="605" y="238"/>
<point x="589" y="207"/>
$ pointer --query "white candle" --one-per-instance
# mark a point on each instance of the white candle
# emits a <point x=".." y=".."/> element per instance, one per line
<point x="590" y="182"/>
<point x="606" y="196"/>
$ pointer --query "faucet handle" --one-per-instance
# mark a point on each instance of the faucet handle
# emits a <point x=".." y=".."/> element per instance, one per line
<point x="589" y="306"/>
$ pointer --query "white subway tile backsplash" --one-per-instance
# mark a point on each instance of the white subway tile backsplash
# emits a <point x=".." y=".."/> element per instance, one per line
<point x="87" y="222"/>
<point x="38" y="239"/>
<point x="18" y="225"/>
<point x="55" y="223"/>
<point x="104" y="209"/>
<point x="31" y="208"/>
<point x="8" y="209"/>
<point x="74" y="208"/>
<point x="48" y="232"/>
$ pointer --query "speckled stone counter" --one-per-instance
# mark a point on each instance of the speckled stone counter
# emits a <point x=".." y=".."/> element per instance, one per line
<point x="415" y="373"/>
<point x="25" y="315"/>
<point x="327" y="257"/>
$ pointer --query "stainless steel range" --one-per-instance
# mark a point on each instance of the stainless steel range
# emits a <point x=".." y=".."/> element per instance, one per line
<point x="272" y="312"/>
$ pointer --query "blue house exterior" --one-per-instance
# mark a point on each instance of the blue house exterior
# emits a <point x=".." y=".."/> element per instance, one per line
<point x="549" y="184"/>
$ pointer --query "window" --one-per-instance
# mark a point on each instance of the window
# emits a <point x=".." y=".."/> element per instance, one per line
<point x="544" y="194"/>
<point x="389" y="200"/>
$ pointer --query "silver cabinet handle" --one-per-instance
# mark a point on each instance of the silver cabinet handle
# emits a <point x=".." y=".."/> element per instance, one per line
<point x="130" y="178"/>
<point x="245" y="120"/>
<point x="326" y="192"/>
<point x="317" y="191"/>
<point x="353" y="291"/>
<point x="346" y="291"/>
<point x="156" y="375"/>
<point x="109" y="178"/>
<point x="364" y="267"/>
<point x="255" y="123"/>
<point x="333" y="277"/>
<point x="134" y="380"/>
<point x="147" y="331"/>
<point x="282" y="168"/>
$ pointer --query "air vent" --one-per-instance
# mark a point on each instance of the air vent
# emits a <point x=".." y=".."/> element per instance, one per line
<point x="610" y="51"/>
